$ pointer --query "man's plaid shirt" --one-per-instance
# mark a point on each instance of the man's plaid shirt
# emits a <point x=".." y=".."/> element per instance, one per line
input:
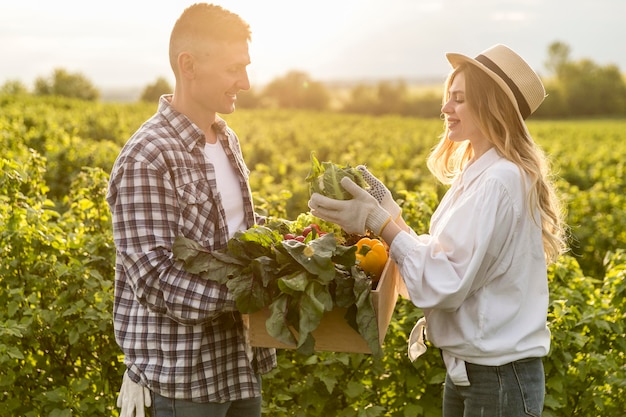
<point x="181" y="335"/>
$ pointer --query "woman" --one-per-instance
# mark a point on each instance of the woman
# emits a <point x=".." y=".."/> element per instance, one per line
<point x="480" y="275"/>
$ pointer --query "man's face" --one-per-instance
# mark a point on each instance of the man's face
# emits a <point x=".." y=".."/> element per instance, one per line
<point x="220" y="74"/>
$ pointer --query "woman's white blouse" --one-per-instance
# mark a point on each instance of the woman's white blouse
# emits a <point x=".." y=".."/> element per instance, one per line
<point x="480" y="274"/>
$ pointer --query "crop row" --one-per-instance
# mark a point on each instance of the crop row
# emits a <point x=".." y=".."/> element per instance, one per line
<point x="56" y="279"/>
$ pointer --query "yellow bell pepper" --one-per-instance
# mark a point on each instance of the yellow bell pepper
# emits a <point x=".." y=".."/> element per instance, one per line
<point x="371" y="255"/>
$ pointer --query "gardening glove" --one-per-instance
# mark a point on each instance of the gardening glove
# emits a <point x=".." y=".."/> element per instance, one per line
<point x="354" y="216"/>
<point x="416" y="340"/>
<point x="133" y="398"/>
<point x="379" y="191"/>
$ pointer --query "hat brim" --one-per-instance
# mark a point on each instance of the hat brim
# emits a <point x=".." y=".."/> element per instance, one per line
<point x="457" y="59"/>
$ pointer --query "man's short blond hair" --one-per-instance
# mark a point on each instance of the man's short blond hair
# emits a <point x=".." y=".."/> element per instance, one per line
<point x="201" y="23"/>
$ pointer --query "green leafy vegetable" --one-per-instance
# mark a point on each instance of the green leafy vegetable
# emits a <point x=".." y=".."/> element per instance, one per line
<point x="325" y="178"/>
<point x="297" y="281"/>
<point x="278" y="325"/>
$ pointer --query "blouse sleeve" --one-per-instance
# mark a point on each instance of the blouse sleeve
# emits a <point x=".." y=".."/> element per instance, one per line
<point x="464" y="250"/>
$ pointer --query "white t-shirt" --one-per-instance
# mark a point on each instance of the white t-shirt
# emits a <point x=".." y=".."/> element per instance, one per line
<point x="480" y="275"/>
<point x="232" y="201"/>
<point x="228" y="187"/>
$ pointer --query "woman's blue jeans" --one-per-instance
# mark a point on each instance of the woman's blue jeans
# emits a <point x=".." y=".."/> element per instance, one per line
<point x="515" y="389"/>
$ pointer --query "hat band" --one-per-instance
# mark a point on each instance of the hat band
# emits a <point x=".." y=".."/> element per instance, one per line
<point x="524" y="108"/>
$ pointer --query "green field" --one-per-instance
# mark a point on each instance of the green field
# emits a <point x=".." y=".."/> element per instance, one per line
<point x="57" y="352"/>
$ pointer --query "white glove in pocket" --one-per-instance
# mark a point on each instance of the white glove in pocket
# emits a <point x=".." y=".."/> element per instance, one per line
<point x="133" y="398"/>
<point x="416" y="340"/>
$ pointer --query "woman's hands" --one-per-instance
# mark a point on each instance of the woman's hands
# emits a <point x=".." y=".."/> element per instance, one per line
<point x="354" y="216"/>
<point x="379" y="191"/>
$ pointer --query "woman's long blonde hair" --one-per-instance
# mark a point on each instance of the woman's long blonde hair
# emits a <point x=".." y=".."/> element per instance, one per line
<point x="506" y="131"/>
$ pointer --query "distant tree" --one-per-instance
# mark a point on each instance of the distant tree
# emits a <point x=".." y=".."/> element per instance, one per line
<point x="392" y="96"/>
<point x="582" y="88"/>
<point x="297" y="90"/>
<point x="13" y="87"/>
<point x="153" y="91"/>
<point x="593" y="90"/>
<point x="555" y="105"/>
<point x="362" y="99"/>
<point x="427" y="105"/>
<point x="63" y="83"/>
<point x="558" y="57"/>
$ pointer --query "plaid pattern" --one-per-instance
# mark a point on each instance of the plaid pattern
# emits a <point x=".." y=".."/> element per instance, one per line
<point x="181" y="335"/>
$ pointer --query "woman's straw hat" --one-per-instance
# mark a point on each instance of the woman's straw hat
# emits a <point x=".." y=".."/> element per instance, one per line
<point x="511" y="72"/>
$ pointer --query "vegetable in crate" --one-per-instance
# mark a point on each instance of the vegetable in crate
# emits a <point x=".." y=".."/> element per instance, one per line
<point x="298" y="281"/>
<point x="325" y="178"/>
<point x="371" y="256"/>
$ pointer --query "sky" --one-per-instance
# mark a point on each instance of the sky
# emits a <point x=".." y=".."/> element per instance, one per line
<point x="124" y="43"/>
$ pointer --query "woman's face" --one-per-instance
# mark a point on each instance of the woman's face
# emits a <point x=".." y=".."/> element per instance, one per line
<point x="460" y="118"/>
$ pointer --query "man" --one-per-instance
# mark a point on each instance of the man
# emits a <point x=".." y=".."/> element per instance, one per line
<point x="182" y="173"/>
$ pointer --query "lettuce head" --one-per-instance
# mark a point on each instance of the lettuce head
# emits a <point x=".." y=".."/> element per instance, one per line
<point x="325" y="178"/>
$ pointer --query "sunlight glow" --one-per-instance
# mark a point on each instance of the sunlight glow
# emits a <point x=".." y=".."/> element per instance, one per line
<point x="509" y="16"/>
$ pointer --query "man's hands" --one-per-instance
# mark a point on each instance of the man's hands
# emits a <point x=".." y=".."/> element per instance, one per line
<point x="380" y="193"/>
<point x="133" y="398"/>
<point x="355" y="215"/>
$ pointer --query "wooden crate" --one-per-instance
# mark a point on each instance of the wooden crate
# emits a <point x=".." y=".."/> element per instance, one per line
<point x="334" y="334"/>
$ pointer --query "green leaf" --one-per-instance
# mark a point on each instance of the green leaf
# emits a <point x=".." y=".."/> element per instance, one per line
<point x="330" y="381"/>
<point x="264" y="270"/>
<point x="354" y="389"/>
<point x="249" y="293"/>
<point x="12" y="308"/>
<point x="80" y="384"/>
<point x="185" y="249"/>
<point x="366" y="316"/>
<point x="225" y="257"/>
<point x="306" y="345"/>
<point x="345" y="255"/>
<point x="215" y="266"/>
<point x="276" y="325"/>
<point x="57" y="395"/>
<point x="74" y="336"/>
<point x="67" y="412"/>
<point x="254" y="242"/>
<point x="218" y="271"/>
<point x="411" y="410"/>
<point x="12" y="329"/>
<point x="14" y="353"/>
<point x="297" y="282"/>
<point x="315" y="302"/>
<point x="372" y="411"/>
<point x="315" y="256"/>
<point x="344" y="287"/>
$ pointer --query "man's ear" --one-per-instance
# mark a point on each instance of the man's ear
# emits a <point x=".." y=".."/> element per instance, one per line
<point x="187" y="65"/>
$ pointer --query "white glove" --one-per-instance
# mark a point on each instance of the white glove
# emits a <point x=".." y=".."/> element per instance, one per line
<point x="354" y="215"/>
<point x="133" y="398"/>
<point x="380" y="192"/>
<point x="416" y="340"/>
